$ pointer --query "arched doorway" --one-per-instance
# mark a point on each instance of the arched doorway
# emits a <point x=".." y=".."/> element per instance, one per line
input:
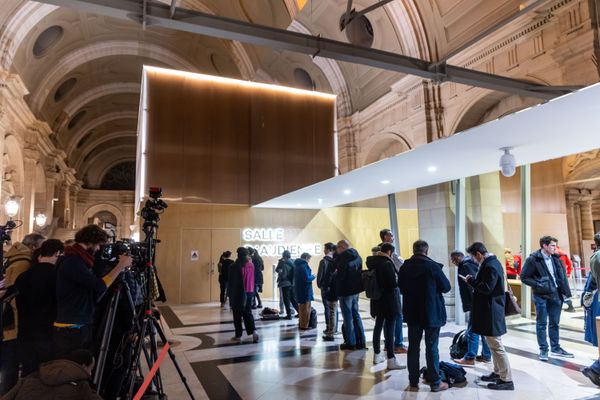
<point x="107" y="221"/>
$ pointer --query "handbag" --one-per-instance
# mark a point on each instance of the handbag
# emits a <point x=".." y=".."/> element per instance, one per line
<point x="511" y="307"/>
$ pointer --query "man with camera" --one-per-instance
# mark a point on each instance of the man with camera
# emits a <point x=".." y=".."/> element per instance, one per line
<point x="544" y="272"/>
<point x="78" y="290"/>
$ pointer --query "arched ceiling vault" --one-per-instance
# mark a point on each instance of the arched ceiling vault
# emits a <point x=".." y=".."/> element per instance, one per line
<point x="84" y="80"/>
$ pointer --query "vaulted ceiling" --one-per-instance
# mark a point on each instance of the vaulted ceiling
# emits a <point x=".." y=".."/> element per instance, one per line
<point x="83" y="71"/>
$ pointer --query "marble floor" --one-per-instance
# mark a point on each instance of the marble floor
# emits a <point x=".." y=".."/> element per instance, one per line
<point x="287" y="364"/>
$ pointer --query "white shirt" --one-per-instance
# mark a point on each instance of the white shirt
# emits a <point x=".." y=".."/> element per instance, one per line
<point x="550" y="266"/>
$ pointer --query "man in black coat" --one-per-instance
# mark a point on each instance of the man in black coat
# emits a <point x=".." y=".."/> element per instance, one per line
<point x="324" y="283"/>
<point x="348" y="267"/>
<point x="466" y="266"/>
<point x="487" y="313"/>
<point x="544" y="272"/>
<point x="259" y="267"/>
<point x="422" y="283"/>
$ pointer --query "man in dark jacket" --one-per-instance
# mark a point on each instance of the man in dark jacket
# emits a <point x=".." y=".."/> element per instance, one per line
<point x="36" y="303"/>
<point x="544" y="272"/>
<point x="422" y="283"/>
<point x="466" y="266"/>
<point x="66" y="379"/>
<point x="285" y="281"/>
<point x="78" y="290"/>
<point x="224" y="265"/>
<point x="348" y="267"/>
<point x="303" y="290"/>
<point x="324" y="271"/>
<point x="487" y="313"/>
<point x="385" y="308"/>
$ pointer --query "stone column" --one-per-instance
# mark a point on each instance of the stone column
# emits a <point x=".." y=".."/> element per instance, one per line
<point x="50" y="193"/>
<point x="573" y="214"/>
<point x="74" y="193"/>
<point x="28" y="202"/>
<point x="587" y="222"/>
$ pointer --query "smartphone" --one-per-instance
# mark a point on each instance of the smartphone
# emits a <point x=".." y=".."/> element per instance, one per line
<point x="464" y="278"/>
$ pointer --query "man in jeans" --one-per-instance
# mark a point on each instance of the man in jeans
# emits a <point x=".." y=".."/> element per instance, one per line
<point x="466" y="266"/>
<point x="330" y="307"/>
<point x="422" y="283"/>
<point x="387" y="236"/>
<point x="544" y="272"/>
<point x="348" y="267"/>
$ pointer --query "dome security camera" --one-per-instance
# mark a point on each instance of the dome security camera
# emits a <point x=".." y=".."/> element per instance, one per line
<point x="508" y="164"/>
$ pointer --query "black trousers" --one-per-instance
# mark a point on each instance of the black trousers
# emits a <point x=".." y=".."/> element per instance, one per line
<point x="223" y="296"/>
<point x="33" y="352"/>
<point x="244" y="314"/>
<point x="387" y="324"/>
<point x="287" y="295"/>
<point x="67" y="340"/>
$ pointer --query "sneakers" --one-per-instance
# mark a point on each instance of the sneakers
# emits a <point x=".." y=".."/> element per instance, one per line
<point x="501" y="385"/>
<point x="346" y="346"/>
<point x="236" y="339"/>
<point x="440" y="387"/>
<point x="328" y="338"/>
<point x="560" y="352"/>
<point x="400" y="350"/>
<point x="255" y="337"/>
<point x="361" y="347"/>
<point x="392" y="364"/>
<point x="543" y="356"/>
<point x="493" y="377"/>
<point x="591" y="375"/>
<point x="483" y="359"/>
<point x="467" y="362"/>
<point x="378" y="358"/>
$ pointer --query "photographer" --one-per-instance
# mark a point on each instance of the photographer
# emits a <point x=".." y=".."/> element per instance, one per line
<point x="78" y="290"/>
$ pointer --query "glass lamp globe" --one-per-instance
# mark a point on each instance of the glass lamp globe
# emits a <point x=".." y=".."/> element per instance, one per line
<point x="11" y="207"/>
<point x="40" y="219"/>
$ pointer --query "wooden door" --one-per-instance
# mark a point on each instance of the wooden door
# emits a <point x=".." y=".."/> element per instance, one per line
<point x="196" y="265"/>
<point x="222" y="240"/>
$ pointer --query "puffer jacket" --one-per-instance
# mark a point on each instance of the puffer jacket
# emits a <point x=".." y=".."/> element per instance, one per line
<point x="18" y="258"/>
<point x="59" y="379"/>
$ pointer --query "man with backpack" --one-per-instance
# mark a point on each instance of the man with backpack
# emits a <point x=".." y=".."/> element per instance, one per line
<point x="348" y="267"/>
<point x="466" y="266"/>
<point x="381" y="286"/>
<point x="285" y="281"/>
<point x="422" y="283"/>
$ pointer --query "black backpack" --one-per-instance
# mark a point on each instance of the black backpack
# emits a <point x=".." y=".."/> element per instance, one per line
<point x="312" y="322"/>
<point x="459" y="346"/>
<point x="370" y="285"/>
<point x="452" y="374"/>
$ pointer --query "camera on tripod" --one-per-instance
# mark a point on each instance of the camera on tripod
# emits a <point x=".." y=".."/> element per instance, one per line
<point x="109" y="253"/>
<point x="153" y="207"/>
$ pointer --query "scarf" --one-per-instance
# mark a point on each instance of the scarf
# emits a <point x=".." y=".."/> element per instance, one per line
<point x="77" y="250"/>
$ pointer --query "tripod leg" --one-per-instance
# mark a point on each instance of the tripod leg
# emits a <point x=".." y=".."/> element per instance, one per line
<point x="106" y="336"/>
<point x="163" y="338"/>
<point x="135" y="360"/>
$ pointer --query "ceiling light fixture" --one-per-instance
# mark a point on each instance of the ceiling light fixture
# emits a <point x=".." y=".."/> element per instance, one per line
<point x="431" y="168"/>
<point x="385" y="182"/>
<point x="508" y="163"/>
<point x="347" y="192"/>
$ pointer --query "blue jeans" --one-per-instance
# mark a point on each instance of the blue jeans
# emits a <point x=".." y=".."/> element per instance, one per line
<point x="547" y="314"/>
<point x="473" y="343"/>
<point x="327" y="305"/>
<point x="388" y="325"/>
<point x="398" y="335"/>
<point x="432" y="354"/>
<point x="352" y="320"/>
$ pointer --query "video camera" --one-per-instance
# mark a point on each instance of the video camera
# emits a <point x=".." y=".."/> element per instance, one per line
<point x="153" y="208"/>
<point x="109" y="253"/>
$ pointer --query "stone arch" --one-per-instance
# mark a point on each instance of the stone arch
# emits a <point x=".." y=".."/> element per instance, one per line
<point x="80" y="133"/>
<point x="410" y="29"/>
<point x="97" y="208"/>
<point x="99" y="50"/>
<point x="384" y="145"/>
<point x="89" y="147"/>
<point x="98" y="92"/>
<point x="472" y="109"/>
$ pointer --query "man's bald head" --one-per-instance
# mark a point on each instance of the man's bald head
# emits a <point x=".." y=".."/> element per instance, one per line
<point x="342" y="246"/>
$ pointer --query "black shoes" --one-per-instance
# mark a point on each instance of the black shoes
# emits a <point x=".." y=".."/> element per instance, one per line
<point x="328" y="338"/>
<point x="594" y="377"/>
<point x="560" y="352"/>
<point x="346" y="346"/>
<point x="501" y="385"/>
<point x="493" y="377"/>
<point x="483" y="359"/>
<point x="361" y="347"/>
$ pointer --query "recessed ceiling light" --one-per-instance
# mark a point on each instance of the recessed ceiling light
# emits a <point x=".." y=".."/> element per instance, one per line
<point x="385" y="182"/>
<point x="320" y="201"/>
<point x="432" y="168"/>
<point x="347" y="192"/>
<point x="298" y="205"/>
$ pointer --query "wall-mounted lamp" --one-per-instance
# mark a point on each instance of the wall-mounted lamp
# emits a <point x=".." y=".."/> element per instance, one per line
<point x="40" y="219"/>
<point x="11" y="207"/>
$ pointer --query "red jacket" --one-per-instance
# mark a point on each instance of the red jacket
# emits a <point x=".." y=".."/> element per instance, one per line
<point x="566" y="260"/>
<point x="514" y="269"/>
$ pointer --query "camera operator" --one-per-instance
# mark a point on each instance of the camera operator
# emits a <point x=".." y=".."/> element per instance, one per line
<point x="78" y="290"/>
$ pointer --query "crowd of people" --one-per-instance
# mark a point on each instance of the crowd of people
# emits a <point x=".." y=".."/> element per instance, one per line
<point x="48" y="327"/>
<point x="412" y="291"/>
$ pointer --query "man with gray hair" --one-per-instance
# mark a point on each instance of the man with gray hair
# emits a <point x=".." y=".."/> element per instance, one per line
<point x="18" y="260"/>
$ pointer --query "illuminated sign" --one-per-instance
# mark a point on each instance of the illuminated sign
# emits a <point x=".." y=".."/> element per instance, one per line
<point x="270" y="242"/>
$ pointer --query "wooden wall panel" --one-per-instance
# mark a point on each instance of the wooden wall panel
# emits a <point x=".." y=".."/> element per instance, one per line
<point x="217" y="142"/>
